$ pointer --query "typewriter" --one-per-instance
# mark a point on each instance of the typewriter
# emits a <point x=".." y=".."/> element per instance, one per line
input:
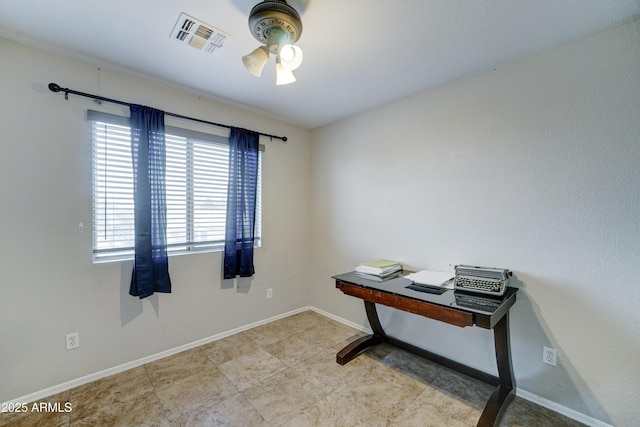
<point x="482" y="280"/>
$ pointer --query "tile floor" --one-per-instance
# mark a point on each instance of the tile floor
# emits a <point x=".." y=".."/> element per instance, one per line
<point x="283" y="374"/>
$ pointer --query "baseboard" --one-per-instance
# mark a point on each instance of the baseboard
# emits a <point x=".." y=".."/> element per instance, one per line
<point x="545" y="403"/>
<point x="562" y="410"/>
<point x="50" y="391"/>
<point x="341" y="320"/>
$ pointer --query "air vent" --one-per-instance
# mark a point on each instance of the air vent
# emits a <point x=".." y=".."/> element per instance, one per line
<point x="197" y="34"/>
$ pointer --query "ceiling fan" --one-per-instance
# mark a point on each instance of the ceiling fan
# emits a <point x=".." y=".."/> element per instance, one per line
<point x="277" y="26"/>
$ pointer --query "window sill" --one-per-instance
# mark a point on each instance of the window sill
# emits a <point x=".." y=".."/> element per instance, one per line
<point x="128" y="256"/>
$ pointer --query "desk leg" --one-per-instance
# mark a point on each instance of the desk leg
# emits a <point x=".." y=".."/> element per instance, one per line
<point x="504" y="392"/>
<point x="348" y="353"/>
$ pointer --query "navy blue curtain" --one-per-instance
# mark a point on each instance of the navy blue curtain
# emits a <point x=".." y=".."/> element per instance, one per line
<point x="151" y="267"/>
<point x="241" y="203"/>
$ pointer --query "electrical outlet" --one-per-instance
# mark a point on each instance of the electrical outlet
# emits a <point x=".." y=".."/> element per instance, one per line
<point x="73" y="341"/>
<point x="549" y="356"/>
<point x="269" y="293"/>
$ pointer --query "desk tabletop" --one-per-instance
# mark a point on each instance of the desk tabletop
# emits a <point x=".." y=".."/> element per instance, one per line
<point x="464" y="301"/>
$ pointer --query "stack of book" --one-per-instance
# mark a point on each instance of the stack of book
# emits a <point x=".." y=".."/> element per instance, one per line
<point x="379" y="270"/>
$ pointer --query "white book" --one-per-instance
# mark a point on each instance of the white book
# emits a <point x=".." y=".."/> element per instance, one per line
<point x="431" y="278"/>
<point x="377" y="278"/>
<point x="378" y="271"/>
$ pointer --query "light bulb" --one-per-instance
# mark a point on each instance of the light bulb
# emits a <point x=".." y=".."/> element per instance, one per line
<point x="290" y="56"/>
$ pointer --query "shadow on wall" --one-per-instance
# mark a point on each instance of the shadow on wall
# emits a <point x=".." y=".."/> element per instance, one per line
<point x="530" y="332"/>
<point x="130" y="306"/>
<point x="242" y="284"/>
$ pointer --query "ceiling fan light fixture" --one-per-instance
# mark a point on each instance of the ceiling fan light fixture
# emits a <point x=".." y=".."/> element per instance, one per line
<point x="277" y="26"/>
<point x="256" y="60"/>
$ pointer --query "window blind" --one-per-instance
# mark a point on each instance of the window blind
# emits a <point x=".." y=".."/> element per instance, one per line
<point x="197" y="174"/>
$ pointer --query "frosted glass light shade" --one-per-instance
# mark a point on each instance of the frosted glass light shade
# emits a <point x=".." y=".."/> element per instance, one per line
<point x="283" y="76"/>
<point x="256" y="60"/>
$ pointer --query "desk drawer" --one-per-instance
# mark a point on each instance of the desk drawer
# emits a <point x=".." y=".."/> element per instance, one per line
<point x="423" y="308"/>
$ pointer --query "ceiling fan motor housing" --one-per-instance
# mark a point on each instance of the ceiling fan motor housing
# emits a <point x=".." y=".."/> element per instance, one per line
<point x="275" y="23"/>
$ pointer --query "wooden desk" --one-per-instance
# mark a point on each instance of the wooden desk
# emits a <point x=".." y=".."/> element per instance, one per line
<point x="453" y="307"/>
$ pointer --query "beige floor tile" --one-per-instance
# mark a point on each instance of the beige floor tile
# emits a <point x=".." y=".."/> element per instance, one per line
<point x="380" y="396"/>
<point x="250" y="369"/>
<point x="400" y="361"/>
<point x="328" y="412"/>
<point x="165" y="371"/>
<point x="330" y="335"/>
<point x="194" y="392"/>
<point x="229" y="348"/>
<point x="424" y="415"/>
<point x="280" y="397"/>
<point x="359" y="402"/>
<point x="473" y="392"/>
<point x="235" y="411"/>
<point x="302" y="321"/>
<point x="110" y="392"/>
<point x="33" y="419"/>
<point x="323" y="370"/>
<point x="409" y="373"/>
<point x="522" y="413"/>
<point x="293" y="350"/>
<point x="268" y="334"/>
<point x="54" y="411"/>
<point x="434" y="405"/>
<point x="140" y="411"/>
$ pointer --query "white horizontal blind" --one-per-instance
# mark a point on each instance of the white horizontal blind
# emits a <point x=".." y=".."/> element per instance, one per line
<point x="112" y="190"/>
<point x="197" y="174"/>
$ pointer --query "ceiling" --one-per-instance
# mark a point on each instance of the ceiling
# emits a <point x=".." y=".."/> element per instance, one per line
<point x="358" y="54"/>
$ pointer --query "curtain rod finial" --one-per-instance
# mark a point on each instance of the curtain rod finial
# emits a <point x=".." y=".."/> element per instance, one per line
<point x="53" y="87"/>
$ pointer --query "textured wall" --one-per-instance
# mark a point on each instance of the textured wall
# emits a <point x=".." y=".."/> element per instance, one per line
<point x="532" y="166"/>
<point x="49" y="286"/>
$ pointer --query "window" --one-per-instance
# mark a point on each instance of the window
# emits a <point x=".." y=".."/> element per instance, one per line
<point x="196" y="190"/>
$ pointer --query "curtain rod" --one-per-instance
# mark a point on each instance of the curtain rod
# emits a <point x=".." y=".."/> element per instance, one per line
<point x="53" y="87"/>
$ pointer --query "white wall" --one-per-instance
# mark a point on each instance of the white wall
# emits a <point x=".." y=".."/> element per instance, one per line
<point x="49" y="286"/>
<point x="533" y="166"/>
